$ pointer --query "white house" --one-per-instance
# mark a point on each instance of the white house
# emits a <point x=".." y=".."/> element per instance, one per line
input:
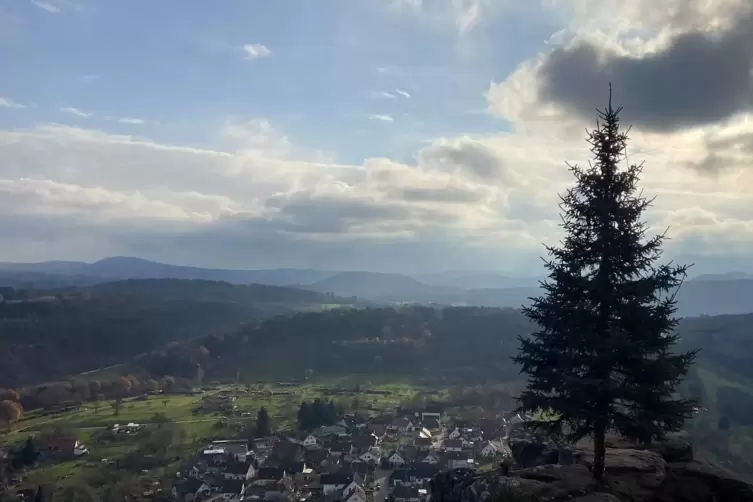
<point x="353" y="494"/>
<point x="372" y="455"/>
<point x="489" y="450"/>
<point x="310" y="441"/>
<point x="456" y="460"/>
<point x="430" y="458"/>
<point x="396" y="459"/>
<point x="403" y="425"/>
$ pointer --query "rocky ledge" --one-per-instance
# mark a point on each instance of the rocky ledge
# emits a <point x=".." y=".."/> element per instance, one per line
<point x="665" y="472"/>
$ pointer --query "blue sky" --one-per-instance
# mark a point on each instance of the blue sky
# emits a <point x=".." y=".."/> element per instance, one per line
<point x="391" y="135"/>
<point x="180" y="66"/>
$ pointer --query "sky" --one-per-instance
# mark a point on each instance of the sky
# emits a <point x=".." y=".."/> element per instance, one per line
<point x="406" y="136"/>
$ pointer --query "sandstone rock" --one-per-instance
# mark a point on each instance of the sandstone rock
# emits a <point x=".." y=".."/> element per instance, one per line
<point x="562" y="481"/>
<point x="676" y="447"/>
<point x="530" y="453"/>
<point x="633" y="475"/>
<point x="699" y="481"/>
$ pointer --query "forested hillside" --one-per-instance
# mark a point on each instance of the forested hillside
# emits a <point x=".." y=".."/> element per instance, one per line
<point x="466" y="347"/>
<point x="50" y="334"/>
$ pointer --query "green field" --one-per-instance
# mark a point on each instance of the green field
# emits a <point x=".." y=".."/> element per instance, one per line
<point x="196" y="428"/>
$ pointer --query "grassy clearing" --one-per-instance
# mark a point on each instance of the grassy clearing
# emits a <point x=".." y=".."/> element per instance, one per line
<point x="713" y="381"/>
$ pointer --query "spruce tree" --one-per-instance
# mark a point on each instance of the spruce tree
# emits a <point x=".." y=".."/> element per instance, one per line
<point x="263" y="429"/>
<point x="601" y="358"/>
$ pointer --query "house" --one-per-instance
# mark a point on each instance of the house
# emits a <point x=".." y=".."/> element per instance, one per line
<point x="332" y="430"/>
<point x="430" y="458"/>
<point x="455" y="434"/>
<point x="492" y="448"/>
<point x="265" y="444"/>
<point x="431" y="413"/>
<point x="395" y="459"/>
<point x="188" y="490"/>
<point x="236" y="448"/>
<point x="403" y="493"/>
<point x="310" y="441"/>
<point x="352" y="493"/>
<point x="268" y="475"/>
<point x="336" y="482"/>
<point x="431" y="423"/>
<point x="239" y="471"/>
<point x="400" y="476"/>
<point x="455" y="445"/>
<point x="372" y="455"/>
<point x="285" y="451"/>
<point x="403" y="425"/>
<point x="423" y="432"/>
<point x="409" y="453"/>
<point x="423" y="444"/>
<point x="424" y="473"/>
<point x="364" y="442"/>
<point x="229" y="488"/>
<point x="457" y="460"/>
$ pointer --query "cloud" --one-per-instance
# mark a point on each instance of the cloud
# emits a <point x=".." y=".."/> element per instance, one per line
<point x="698" y="78"/>
<point x="404" y="94"/>
<point x="9" y="103"/>
<point x="53" y="9"/>
<point x="256" y="51"/>
<point x="89" y="78"/>
<point x="382" y="95"/>
<point x="126" y="120"/>
<point x="381" y="117"/>
<point x="695" y="71"/>
<point x="75" y="111"/>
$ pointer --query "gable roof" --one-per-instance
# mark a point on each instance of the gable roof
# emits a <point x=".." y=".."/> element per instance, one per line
<point x="270" y="473"/>
<point x="232" y="486"/>
<point x="405" y="492"/>
<point x="453" y="443"/>
<point x="431" y="423"/>
<point x="401" y="422"/>
<point x="338" y="478"/>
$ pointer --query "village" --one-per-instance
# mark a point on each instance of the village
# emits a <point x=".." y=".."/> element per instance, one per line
<point x="370" y="457"/>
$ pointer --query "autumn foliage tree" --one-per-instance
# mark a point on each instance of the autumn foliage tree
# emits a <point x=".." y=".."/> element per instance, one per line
<point x="601" y="358"/>
<point x="10" y="412"/>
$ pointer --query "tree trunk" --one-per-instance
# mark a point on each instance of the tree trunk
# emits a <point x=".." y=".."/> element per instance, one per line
<point x="599" y="452"/>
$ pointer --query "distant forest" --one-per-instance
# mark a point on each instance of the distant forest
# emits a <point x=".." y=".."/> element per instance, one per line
<point x="48" y="335"/>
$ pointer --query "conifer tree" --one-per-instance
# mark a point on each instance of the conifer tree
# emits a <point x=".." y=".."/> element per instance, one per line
<point x="601" y="358"/>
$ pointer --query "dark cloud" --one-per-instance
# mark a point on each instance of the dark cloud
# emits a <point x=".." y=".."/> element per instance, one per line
<point x="697" y="79"/>
<point x="727" y="153"/>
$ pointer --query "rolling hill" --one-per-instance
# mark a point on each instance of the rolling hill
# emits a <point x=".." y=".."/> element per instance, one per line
<point x="714" y="294"/>
<point x="51" y="334"/>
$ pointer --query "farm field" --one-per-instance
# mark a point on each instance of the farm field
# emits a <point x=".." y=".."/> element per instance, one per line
<point x="92" y="421"/>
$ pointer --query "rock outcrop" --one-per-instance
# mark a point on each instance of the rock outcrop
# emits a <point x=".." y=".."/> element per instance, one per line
<point x="664" y="472"/>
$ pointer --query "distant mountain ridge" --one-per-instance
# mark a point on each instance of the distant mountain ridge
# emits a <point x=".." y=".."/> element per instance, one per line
<point x="711" y="294"/>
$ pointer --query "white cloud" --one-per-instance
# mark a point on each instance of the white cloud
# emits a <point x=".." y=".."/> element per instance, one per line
<point x="75" y="111"/>
<point x="46" y="6"/>
<point x="127" y="120"/>
<point x="382" y="95"/>
<point x="256" y="51"/>
<point x="9" y="103"/>
<point x="381" y="117"/>
<point x="89" y="78"/>
<point x="404" y="94"/>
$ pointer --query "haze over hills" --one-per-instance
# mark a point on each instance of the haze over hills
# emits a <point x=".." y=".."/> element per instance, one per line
<point x="711" y="294"/>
